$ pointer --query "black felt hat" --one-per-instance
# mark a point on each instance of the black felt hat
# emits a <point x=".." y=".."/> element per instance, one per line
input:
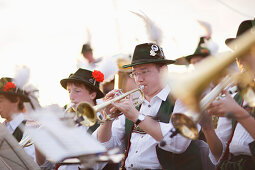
<point x="243" y="27"/>
<point x="148" y="53"/>
<point x="86" y="48"/>
<point x="91" y="79"/>
<point x="201" y="50"/>
<point x="7" y="86"/>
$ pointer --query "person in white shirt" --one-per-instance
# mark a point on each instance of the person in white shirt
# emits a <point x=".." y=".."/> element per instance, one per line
<point x="229" y="144"/>
<point x="140" y="131"/>
<point x="12" y="99"/>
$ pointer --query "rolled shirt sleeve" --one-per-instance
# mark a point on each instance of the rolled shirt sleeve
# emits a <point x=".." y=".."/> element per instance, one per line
<point x="223" y="131"/>
<point x="177" y="144"/>
<point x="118" y="134"/>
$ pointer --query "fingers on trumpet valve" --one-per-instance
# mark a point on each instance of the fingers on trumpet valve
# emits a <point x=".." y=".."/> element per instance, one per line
<point x="112" y="94"/>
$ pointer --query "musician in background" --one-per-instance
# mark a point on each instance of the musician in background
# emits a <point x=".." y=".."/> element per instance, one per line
<point x="12" y="109"/>
<point x="139" y="131"/>
<point x="88" y="61"/>
<point x="229" y="144"/>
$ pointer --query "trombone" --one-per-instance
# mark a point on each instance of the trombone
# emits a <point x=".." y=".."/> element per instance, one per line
<point x="189" y="87"/>
<point x="88" y="115"/>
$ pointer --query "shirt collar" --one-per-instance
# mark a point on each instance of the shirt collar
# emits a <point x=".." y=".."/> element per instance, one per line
<point x="16" y="121"/>
<point x="163" y="94"/>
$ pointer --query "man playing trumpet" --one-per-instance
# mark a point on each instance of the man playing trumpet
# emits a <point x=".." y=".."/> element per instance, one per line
<point x="139" y="130"/>
<point x="232" y="144"/>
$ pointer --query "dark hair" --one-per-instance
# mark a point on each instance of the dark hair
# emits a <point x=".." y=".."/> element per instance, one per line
<point x="14" y="99"/>
<point x="86" y="87"/>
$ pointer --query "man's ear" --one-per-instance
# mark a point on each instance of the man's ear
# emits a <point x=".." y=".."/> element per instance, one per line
<point x="93" y="95"/>
<point x="18" y="100"/>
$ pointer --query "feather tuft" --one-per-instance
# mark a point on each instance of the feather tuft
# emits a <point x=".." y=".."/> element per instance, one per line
<point x="212" y="46"/>
<point x="154" y="33"/>
<point x="88" y="36"/>
<point x="108" y="66"/>
<point x="21" y="78"/>
<point x="207" y="28"/>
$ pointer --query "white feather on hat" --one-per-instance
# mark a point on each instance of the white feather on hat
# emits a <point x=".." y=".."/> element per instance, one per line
<point x="209" y="43"/>
<point x="154" y="33"/>
<point x="33" y="95"/>
<point x="108" y="66"/>
<point x="22" y="75"/>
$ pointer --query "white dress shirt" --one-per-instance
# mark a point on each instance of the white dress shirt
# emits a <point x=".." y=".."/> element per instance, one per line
<point x="12" y="125"/>
<point x="239" y="143"/>
<point x="142" y="152"/>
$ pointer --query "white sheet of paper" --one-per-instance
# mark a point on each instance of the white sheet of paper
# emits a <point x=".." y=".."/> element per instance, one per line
<point x="58" y="141"/>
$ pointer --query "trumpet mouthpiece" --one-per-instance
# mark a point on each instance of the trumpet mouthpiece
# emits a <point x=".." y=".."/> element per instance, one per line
<point x="141" y="87"/>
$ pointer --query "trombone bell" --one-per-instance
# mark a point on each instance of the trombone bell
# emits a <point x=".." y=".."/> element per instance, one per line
<point x="86" y="114"/>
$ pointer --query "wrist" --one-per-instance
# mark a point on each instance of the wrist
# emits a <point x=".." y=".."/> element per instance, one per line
<point x="208" y="129"/>
<point x="139" y="119"/>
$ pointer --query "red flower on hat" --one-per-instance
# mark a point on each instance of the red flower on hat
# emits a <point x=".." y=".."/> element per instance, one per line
<point x="98" y="76"/>
<point x="204" y="50"/>
<point x="8" y="86"/>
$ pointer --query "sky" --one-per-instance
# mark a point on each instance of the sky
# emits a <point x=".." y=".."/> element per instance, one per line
<point x="47" y="35"/>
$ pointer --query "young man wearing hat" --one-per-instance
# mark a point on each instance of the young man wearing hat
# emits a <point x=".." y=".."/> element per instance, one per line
<point x="82" y="86"/>
<point x="141" y="129"/>
<point x="232" y="144"/>
<point x="12" y="99"/>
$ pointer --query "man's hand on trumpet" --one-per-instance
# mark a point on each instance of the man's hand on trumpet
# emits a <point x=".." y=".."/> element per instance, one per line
<point x="111" y="111"/>
<point x="127" y="107"/>
<point x="225" y="107"/>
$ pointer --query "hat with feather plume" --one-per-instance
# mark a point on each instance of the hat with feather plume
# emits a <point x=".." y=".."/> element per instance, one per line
<point x="15" y="86"/>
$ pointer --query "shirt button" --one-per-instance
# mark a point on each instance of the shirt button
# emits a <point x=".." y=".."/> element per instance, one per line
<point x="149" y="105"/>
<point x="131" y="165"/>
<point x="141" y="136"/>
<point x="136" y="151"/>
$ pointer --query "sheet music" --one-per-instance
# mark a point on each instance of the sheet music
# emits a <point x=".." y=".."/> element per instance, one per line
<point x="58" y="141"/>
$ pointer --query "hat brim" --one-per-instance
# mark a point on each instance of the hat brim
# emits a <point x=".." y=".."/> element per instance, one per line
<point x="189" y="57"/>
<point x="64" y="82"/>
<point x="229" y="40"/>
<point x="139" y="62"/>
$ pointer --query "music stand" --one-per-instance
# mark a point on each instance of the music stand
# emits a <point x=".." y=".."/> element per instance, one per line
<point x="12" y="156"/>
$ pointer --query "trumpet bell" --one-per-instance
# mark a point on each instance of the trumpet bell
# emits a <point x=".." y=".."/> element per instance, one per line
<point x="186" y="125"/>
<point x="86" y="114"/>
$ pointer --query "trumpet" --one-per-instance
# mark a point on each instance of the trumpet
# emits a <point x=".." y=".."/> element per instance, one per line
<point x="88" y="116"/>
<point x="189" y="87"/>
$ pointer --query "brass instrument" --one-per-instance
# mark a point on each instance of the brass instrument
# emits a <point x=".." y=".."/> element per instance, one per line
<point x="88" y="114"/>
<point x="26" y="142"/>
<point x="189" y="87"/>
<point x="69" y="107"/>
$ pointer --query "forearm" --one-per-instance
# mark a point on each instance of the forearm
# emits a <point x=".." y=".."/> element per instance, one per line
<point x="147" y="125"/>
<point x="104" y="132"/>
<point x="214" y="143"/>
<point x="40" y="158"/>
<point x="247" y="122"/>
